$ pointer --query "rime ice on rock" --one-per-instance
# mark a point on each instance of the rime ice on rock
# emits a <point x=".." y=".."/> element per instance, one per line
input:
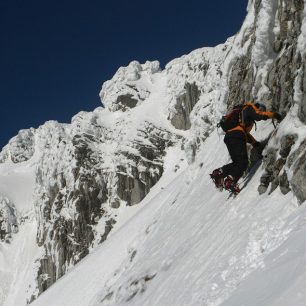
<point x="20" y="148"/>
<point x="8" y="220"/>
<point x="129" y="86"/>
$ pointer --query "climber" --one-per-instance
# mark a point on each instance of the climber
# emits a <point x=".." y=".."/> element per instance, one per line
<point x="236" y="139"/>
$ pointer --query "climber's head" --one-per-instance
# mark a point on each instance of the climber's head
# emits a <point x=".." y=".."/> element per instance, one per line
<point x="261" y="106"/>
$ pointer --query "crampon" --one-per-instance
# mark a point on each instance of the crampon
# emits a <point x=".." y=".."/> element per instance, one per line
<point x="231" y="185"/>
<point x="217" y="178"/>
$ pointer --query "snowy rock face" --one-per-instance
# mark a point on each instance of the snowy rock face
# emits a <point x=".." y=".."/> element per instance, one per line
<point x="299" y="173"/>
<point x="8" y="220"/>
<point x="184" y="106"/>
<point x="20" y="148"/>
<point x="271" y="59"/>
<point x="83" y="175"/>
<point x="268" y="61"/>
<point x="195" y="88"/>
<point x="277" y="165"/>
<point x="88" y="173"/>
<point x="129" y="86"/>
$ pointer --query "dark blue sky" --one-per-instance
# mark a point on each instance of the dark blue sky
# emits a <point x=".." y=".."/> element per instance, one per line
<point x="55" y="55"/>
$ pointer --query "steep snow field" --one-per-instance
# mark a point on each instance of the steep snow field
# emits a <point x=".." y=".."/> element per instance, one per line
<point x="17" y="183"/>
<point x="189" y="244"/>
<point x="17" y="266"/>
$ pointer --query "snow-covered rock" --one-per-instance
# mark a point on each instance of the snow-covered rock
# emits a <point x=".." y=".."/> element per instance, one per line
<point x="8" y="220"/>
<point x="20" y="148"/>
<point x="130" y="86"/>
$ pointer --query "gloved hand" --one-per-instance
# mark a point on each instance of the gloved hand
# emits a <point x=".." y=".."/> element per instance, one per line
<point x="277" y="116"/>
<point x="259" y="147"/>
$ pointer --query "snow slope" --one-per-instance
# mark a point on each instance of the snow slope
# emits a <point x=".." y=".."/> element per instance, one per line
<point x="193" y="245"/>
<point x="18" y="177"/>
<point x="17" y="258"/>
<point x="18" y="265"/>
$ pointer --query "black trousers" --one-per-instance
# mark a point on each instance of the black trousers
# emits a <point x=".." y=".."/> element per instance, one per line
<point x="236" y="145"/>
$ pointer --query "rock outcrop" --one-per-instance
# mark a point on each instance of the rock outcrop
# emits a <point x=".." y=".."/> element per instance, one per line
<point x="20" y="148"/>
<point x="8" y="220"/>
<point x="184" y="106"/>
<point x="274" y="162"/>
<point x="271" y="68"/>
<point x="80" y="184"/>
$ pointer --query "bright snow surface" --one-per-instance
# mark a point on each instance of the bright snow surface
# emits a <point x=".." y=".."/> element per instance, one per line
<point x="18" y="266"/>
<point x="17" y="184"/>
<point x="189" y="244"/>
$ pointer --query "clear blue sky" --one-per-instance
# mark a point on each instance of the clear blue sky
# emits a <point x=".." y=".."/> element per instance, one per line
<point x="55" y="55"/>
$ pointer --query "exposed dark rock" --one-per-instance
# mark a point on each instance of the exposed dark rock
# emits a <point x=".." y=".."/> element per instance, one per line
<point x="281" y="79"/>
<point x="269" y="160"/>
<point x="302" y="105"/>
<point x="241" y="80"/>
<point x="126" y="101"/>
<point x="135" y="181"/>
<point x="284" y="183"/>
<point x="299" y="178"/>
<point x="108" y="227"/>
<point x="184" y="106"/>
<point x="45" y="280"/>
<point x="269" y="175"/>
<point x="115" y="203"/>
<point x="262" y="188"/>
<point x="131" y="189"/>
<point x="277" y="167"/>
<point x="278" y="44"/>
<point x="287" y="142"/>
<point x="8" y="220"/>
<point x="274" y="166"/>
<point x="257" y="5"/>
<point x="293" y="157"/>
<point x="282" y="73"/>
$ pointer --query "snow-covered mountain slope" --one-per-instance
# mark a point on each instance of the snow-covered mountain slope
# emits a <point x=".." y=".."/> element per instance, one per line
<point x="87" y="173"/>
<point x="83" y="176"/>
<point x="193" y="245"/>
<point x="68" y="192"/>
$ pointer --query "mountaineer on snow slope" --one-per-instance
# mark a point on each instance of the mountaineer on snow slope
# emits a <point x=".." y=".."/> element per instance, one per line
<point x="237" y="124"/>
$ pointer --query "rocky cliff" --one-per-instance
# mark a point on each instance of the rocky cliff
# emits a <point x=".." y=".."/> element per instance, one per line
<point x="272" y="69"/>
